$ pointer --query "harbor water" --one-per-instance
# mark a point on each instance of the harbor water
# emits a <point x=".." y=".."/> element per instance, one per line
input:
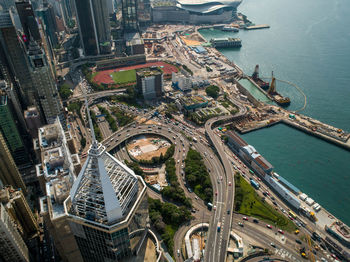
<point x="308" y="44"/>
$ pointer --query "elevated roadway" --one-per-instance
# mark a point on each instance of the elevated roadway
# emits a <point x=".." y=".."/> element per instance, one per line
<point x="220" y="240"/>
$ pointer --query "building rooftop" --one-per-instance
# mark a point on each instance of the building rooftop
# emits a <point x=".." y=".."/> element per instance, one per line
<point x="150" y="71"/>
<point x="236" y="138"/>
<point x="196" y="99"/>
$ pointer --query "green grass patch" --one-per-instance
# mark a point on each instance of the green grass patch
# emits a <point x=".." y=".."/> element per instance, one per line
<point x="248" y="202"/>
<point x="123" y="77"/>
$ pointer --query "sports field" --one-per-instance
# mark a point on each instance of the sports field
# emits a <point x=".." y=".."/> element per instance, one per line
<point x="123" y="75"/>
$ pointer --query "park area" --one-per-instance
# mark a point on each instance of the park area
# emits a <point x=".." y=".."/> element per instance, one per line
<point x="248" y="202"/>
<point x="127" y="75"/>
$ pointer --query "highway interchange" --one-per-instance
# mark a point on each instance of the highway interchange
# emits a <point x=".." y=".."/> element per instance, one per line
<point x="221" y="170"/>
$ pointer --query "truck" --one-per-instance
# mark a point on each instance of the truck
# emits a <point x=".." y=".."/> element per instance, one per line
<point x="210" y="206"/>
<point x="219" y="226"/>
<point x="255" y="184"/>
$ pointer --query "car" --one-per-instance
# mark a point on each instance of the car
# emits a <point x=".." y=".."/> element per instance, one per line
<point x="272" y="198"/>
<point x="214" y="207"/>
<point x="280" y="231"/>
<point x="298" y="241"/>
<point x="178" y="252"/>
<point x="229" y="183"/>
<point x="255" y="221"/>
<point x="216" y="193"/>
<point x="178" y="161"/>
<point x="296" y="232"/>
<point x="268" y="226"/>
<point x="228" y="212"/>
<point x="240" y="224"/>
<point x="245" y="218"/>
<point x="334" y="256"/>
<point x="274" y="202"/>
<point x="259" y="179"/>
<point x="182" y="166"/>
<point x="273" y="245"/>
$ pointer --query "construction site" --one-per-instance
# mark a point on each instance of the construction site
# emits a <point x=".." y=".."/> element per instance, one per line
<point x="145" y="147"/>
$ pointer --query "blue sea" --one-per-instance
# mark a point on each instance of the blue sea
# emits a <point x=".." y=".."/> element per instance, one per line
<point x="308" y="44"/>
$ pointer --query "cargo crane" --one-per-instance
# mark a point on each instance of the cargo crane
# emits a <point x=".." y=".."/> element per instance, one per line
<point x="255" y="77"/>
<point x="279" y="99"/>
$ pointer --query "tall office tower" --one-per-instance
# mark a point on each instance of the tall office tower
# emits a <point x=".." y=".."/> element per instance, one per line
<point x="47" y="17"/>
<point x="9" y="130"/>
<point x="144" y="12"/>
<point x="12" y="246"/>
<point x="28" y="20"/>
<point x="9" y="174"/>
<point x="13" y="56"/>
<point x="17" y="206"/>
<point x="6" y="4"/>
<point x="8" y="88"/>
<point x="94" y="27"/>
<point x="106" y="206"/>
<point x="129" y="16"/>
<point x="33" y="121"/>
<point x="45" y="85"/>
<point x="56" y="176"/>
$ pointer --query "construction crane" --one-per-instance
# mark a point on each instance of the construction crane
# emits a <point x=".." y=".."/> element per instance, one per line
<point x="272" y="88"/>
<point x="311" y="255"/>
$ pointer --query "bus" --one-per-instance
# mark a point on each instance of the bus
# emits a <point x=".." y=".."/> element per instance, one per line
<point x="292" y="214"/>
<point x="251" y="171"/>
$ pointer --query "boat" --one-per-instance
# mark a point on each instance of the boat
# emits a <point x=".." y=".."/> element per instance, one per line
<point x="230" y="29"/>
<point x="255" y="76"/>
<point x="278" y="98"/>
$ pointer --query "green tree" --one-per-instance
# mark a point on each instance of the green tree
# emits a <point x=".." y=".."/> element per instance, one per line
<point x="212" y="91"/>
<point x="64" y="91"/>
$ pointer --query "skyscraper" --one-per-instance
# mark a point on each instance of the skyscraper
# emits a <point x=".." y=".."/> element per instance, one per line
<point x="12" y="246"/>
<point x="28" y="20"/>
<point x="129" y="16"/>
<point x="17" y="206"/>
<point x="8" y="128"/>
<point x="47" y="17"/>
<point x="45" y="85"/>
<point x="9" y="174"/>
<point x="106" y="206"/>
<point x="13" y="56"/>
<point x="94" y="28"/>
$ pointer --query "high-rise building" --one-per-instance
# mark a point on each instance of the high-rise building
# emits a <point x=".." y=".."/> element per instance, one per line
<point x="17" y="206"/>
<point x="149" y="82"/>
<point x="8" y="128"/>
<point x="45" y="85"/>
<point x="129" y="16"/>
<point x="47" y="18"/>
<point x="107" y="206"/>
<point x="6" y="4"/>
<point x="94" y="27"/>
<point x="9" y="174"/>
<point x="13" y="57"/>
<point x="12" y="246"/>
<point x="28" y="20"/>
<point x="56" y="176"/>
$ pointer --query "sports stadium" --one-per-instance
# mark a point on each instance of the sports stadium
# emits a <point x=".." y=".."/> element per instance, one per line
<point x="196" y="11"/>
